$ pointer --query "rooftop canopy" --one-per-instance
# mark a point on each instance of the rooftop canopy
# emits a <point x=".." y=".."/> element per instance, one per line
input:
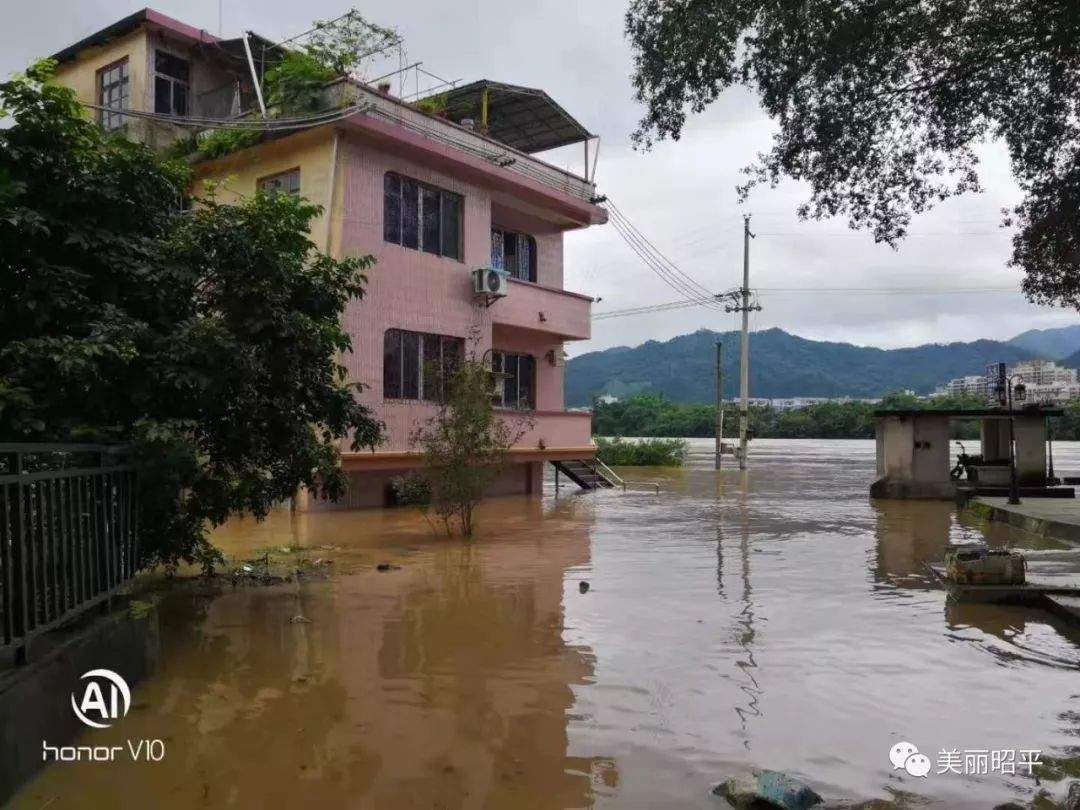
<point x="523" y="118"/>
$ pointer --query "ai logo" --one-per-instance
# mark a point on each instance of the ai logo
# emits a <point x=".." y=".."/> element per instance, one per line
<point x="94" y="703"/>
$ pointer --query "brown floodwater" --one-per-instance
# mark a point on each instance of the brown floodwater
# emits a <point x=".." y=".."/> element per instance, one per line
<point x="776" y="619"/>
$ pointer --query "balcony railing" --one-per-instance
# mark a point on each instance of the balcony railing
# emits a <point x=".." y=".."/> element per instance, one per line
<point x="544" y="309"/>
<point x="68" y="535"/>
<point x="343" y="93"/>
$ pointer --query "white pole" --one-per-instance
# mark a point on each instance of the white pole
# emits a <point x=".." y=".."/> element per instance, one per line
<point x="254" y="75"/>
<point x="744" y="364"/>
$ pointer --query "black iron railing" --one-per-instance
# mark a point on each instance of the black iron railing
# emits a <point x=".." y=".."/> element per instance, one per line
<point x="68" y="534"/>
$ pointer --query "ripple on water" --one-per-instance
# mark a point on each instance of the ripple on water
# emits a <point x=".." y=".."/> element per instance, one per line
<point x="775" y="619"/>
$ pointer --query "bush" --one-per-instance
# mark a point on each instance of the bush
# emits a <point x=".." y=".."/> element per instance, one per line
<point x="411" y="489"/>
<point x="294" y="86"/>
<point x="222" y="142"/>
<point x="618" y="452"/>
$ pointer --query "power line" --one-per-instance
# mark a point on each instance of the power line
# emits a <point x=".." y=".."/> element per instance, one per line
<point x="675" y="282"/>
<point x="684" y="279"/>
<point x="682" y="304"/>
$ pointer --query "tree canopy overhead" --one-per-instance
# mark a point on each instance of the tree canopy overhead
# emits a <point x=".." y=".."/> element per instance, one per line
<point x="881" y="105"/>
<point x="209" y="338"/>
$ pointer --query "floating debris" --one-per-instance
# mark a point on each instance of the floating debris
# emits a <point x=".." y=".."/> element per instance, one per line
<point x="299" y="619"/>
<point x="768" y="789"/>
<point x="387" y="567"/>
<point x="583" y="586"/>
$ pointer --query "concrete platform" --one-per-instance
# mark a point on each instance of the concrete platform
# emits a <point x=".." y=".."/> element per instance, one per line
<point x="1057" y="518"/>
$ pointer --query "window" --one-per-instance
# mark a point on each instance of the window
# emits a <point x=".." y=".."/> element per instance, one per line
<point x="281" y="183"/>
<point x="171" y="83"/>
<point x="513" y="252"/>
<point x="421" y="217"/>
<point x="416" y="364"/>
<point x="112" y="94"/>
<point x="518" y="388"/>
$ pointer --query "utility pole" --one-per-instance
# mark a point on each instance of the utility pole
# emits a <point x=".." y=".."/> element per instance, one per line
<point x="719" y="402"/>
<point x="744" y="360"/>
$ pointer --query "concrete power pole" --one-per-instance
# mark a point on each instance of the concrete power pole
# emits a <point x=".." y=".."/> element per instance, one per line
<point x="719" y="402"/>
<point x="744" y="360"/>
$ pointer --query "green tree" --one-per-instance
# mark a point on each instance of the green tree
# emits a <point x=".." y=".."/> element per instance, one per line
<point x="465" y="445"/>
<point x="209" y="338"/>
<point x="880" y="106"/>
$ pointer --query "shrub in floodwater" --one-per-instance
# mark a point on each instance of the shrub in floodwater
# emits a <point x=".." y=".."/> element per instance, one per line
<point x="619" y="452"/>
<point x="411" y="489"/>
<point x="465" y="445"/>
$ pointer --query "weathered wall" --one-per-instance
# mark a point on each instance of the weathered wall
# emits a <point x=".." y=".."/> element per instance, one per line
<point x="1030" y="433"/>
<point x="311" y="152"/>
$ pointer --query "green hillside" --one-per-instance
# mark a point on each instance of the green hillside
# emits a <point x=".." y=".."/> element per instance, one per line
<point x="781" y="365"/>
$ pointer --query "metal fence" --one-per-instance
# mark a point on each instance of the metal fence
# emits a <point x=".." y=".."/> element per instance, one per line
<point x="68" y="534"/>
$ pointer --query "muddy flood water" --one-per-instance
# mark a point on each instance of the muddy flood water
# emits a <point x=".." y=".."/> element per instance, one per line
<point x="778" y="619"/>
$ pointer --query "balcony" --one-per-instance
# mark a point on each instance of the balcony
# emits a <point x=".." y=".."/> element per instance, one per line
<point x="553" y="434"/>
<point x="552" y="311"/>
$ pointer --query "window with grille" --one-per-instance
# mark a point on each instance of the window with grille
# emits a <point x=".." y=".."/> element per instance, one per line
<point x="514" y="252"/>
<point x="518" y="388"/>
<point x="172" y="77"/>
<point x="281" y="183"/>
<point x="416" y="365"/>
<point x="113" y="94"/>
<point x="421" y="217"/>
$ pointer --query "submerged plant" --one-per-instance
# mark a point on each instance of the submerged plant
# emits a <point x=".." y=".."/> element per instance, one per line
<point x="465" y="445"/>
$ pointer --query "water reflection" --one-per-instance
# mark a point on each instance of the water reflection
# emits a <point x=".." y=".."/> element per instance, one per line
<point x="774" y="619"/>
<point x="446" y="683"/>
<point x="910" y="534"/>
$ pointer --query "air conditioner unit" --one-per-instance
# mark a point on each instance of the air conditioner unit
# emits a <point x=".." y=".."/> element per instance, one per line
<point x="489" y="282"/>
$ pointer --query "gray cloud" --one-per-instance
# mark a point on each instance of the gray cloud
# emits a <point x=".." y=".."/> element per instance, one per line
<point x="681" y="194"/>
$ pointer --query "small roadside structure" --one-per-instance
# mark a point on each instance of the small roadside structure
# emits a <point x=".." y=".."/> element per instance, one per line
<point x="913" y="460"/>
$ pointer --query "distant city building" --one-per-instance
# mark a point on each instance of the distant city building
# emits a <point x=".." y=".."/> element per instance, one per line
<point x="606" y="399"/>
<point x="975" y="384"/>
<point x="794" y="403"/>
<point x="1046" y="382"/>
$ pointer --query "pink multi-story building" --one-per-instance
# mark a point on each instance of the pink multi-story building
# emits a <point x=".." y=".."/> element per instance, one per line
<point x="465" y="222"/>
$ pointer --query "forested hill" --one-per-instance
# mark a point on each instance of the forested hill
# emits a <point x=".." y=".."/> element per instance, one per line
<point x="781" y="365"/>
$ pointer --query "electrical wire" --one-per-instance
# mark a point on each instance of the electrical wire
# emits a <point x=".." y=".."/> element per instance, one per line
<point x="694" y="293"/>
<point x="688" y="292"/>
<point x="254" y="124"/>
<point x="673" y="305"/>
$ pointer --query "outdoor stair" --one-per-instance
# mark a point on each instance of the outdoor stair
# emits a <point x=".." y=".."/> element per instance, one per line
<point x="588" y="474"/>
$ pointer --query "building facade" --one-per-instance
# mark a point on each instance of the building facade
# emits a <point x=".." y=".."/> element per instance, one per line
<point x="1045" y="383"/>
<point x="440" y="203"/>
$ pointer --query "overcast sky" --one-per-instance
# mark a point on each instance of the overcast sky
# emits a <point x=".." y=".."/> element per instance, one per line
<point x="681" y="195"/>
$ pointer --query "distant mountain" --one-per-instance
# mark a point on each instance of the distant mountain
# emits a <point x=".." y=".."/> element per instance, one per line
<point x="1052" y="344"/>
<point x="781" y="365"/>
<point x="1072" y="361"/>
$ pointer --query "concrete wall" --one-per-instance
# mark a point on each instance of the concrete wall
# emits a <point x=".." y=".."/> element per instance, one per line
<point x="35" y="702"/>
<point x="237" y="175"/>
<point x="139" y="47"/>
<point x="1030" y="432"/>
<point x="370" y="488"/>
<point x="913" y="457"/>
